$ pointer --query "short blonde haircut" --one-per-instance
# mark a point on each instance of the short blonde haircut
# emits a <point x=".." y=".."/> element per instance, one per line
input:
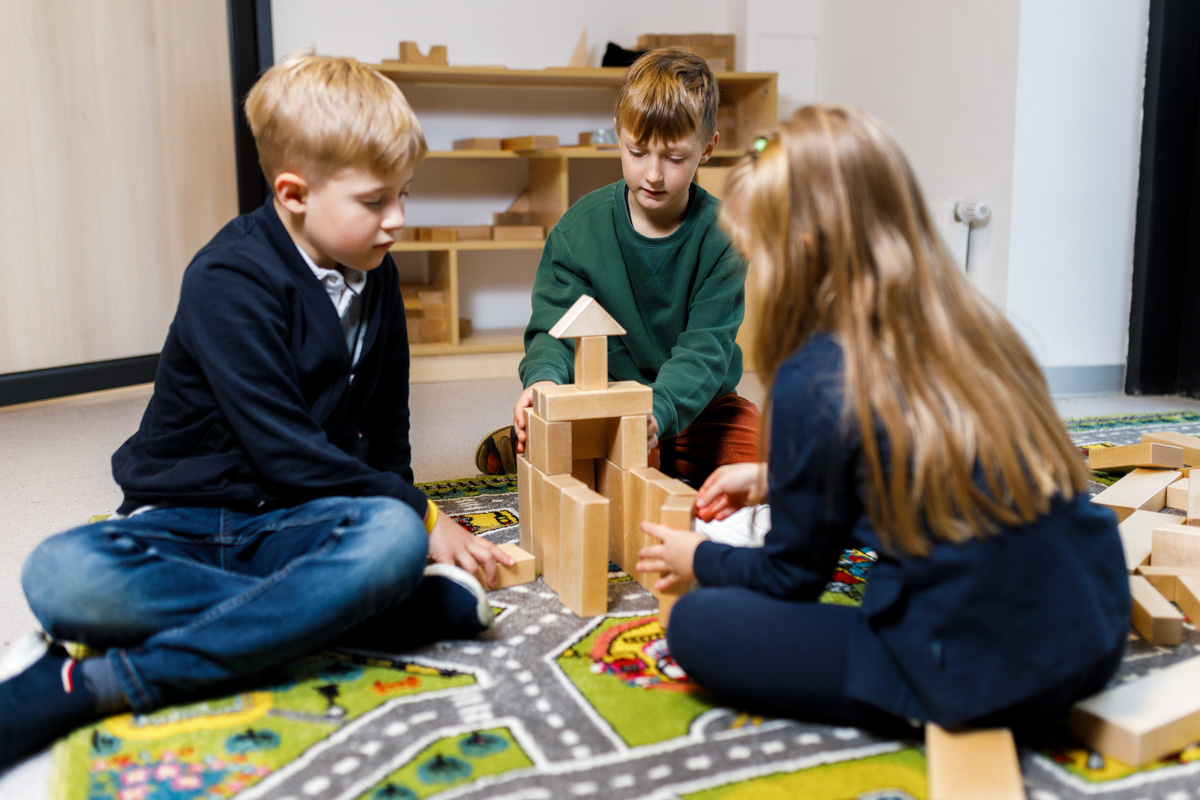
<point x="667" y="95"/>
<point x="315" y="115"/>
<point x="830" y="215"/>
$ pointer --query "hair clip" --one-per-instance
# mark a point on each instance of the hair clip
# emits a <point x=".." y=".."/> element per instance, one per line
<point x="760" y="144"/>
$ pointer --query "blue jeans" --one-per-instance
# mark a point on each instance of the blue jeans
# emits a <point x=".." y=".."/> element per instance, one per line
<point x="183" y="598"/>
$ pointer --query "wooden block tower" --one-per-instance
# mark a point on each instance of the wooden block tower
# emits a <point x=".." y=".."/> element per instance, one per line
<point x="583" y="481"/>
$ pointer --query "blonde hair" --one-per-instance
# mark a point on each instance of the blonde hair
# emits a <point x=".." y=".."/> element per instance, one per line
<point x="315" y="115"/>
<point x="668" y="94"/>
<point x="839" y="238"/>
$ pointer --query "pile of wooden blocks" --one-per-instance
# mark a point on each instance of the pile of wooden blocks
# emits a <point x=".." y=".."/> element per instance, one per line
<point x="583" y="481"/>
<point x="427" y="314"/>
<point x="1157" y="715"/>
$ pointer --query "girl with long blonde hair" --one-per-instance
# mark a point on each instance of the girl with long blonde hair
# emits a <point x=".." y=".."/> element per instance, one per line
<point x="906" y="416"/>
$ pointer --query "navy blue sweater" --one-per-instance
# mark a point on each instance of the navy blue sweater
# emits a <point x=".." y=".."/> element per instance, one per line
<point x="968" y="630"/>
<point x="255" y="404"/>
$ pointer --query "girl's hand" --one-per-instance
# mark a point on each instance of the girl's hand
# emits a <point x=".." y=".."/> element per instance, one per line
<point x="731" y="487"/>
<point x="451" y="543"/>
<point x="673" y="558"/>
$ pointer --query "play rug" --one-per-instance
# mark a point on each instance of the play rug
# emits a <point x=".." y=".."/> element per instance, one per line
<point x="545" y="706"/>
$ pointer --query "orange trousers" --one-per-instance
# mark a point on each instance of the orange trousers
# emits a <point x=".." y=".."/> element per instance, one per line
<point x="726" y="432"/>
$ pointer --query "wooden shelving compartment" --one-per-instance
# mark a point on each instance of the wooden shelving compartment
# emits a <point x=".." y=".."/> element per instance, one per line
<point x="748" y="106"/>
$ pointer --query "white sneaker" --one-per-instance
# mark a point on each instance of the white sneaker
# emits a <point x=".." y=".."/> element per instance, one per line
<point x="20" y="655"/>
<point x="466" y="580"/>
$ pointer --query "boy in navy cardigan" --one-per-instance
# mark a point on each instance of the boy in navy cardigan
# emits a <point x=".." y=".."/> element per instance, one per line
<point x="269" y="501"/>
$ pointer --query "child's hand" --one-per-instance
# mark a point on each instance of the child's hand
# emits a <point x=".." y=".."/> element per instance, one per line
<point x="731" y="487"/>
<point x="451" y="543"/>
<point x="673" y="558"/>
<point x="524" y="402"/>
<point x="651" y="432"/>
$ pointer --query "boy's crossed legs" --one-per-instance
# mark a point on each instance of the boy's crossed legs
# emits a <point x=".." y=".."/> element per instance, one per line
<point x="185" y="598"/>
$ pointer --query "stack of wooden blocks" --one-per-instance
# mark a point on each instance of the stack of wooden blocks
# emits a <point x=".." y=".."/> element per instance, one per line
<point x="583" y="481"/>
<point x="1159" y="714"/>
<point x="427" y="314"/>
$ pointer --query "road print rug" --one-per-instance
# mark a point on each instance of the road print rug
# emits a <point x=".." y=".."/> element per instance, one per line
<point x="547" y="705"/>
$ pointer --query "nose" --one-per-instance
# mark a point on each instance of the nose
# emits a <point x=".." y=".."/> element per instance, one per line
<point x="654" y="171"/>
<point x="393" y="219"/>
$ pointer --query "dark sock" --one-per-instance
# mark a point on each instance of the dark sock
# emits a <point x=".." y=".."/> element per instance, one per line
<point x="45" y="702"/>
<point x="101" y="680"/>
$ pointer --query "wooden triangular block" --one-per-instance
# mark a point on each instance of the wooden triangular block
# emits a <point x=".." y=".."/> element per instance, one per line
<point x="585" y="318"/>
<point x="579" y="57"/>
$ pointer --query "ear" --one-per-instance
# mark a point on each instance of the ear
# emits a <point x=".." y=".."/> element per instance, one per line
<point x="292" y="192"/>
<point x="708" y="150"/>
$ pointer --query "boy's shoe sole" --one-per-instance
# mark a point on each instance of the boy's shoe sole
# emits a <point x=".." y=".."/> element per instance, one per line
<point x="495" y="454"/>
<point x="483" y="609"/>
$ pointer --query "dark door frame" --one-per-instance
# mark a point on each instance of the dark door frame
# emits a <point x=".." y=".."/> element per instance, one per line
<point x="1164" y="329"/>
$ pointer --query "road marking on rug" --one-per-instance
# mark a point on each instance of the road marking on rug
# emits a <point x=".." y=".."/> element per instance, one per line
<point x="316" y="786"/>
<point x="346" y="765"/>
<point x="698" y="762"/>
<point x="623" y="781"/>
<point x="583" y="789"/>
<point x="659" y="772"/>
<point x="739" y="752"/>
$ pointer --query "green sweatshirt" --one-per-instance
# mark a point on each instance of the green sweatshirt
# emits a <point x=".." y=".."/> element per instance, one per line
<point x="679" y="298"/>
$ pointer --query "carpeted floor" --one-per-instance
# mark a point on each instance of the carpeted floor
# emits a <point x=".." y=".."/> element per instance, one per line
<point x="548" y="705"/>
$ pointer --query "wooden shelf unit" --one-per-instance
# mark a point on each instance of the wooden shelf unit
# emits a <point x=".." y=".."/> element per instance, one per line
<point x="748" y="106"/>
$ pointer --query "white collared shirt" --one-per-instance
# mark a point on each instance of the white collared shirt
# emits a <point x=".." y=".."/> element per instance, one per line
<point x="345" y="290"/>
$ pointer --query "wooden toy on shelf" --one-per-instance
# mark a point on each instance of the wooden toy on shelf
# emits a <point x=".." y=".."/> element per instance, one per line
<point x="583" y="484"/>
<point x="410" y="53"/>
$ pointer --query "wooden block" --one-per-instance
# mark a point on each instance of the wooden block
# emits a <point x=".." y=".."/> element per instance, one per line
<point x="473" y="233"/>
<point x="584" y="471"/>
<point x="583" y="552"/>
<point x="521" y="572"/>
<point x="410" y="53"/>
<point x="579" y="57"/>
<point x="501" y="218"/>
<point x="477" y="143"/>
<point x="1190" y="444"/>
<point x="591" y="362"/>
<point x="1140" y="490"/>
<point x="585" y="317"/>
<point x="438" y="235"/>
<point x="523" y="204"/>
<point x="1177" y="495"/>
<point x="610" y="482"/>
<point x="1154" y="617"/>
<point x="1187" y="596"/>
<point x="972" y="764"/>
<point x="521" y="233"/>
<point x="1193" y="504"/>
<point x="1143" y="720"/>
<point x="550" y="525"/>
<point x="1132" y="456"/>
<point x="1137" y="531"/>
<point x="529" y="143"/>
<point x="627" y="446"/>
<point x="637" y="490"/>
<point x="548" y="444"/>
<point x="678" y="511"/>
<point x="621" y="398"/>
<point x="661" y="490"/>
<point x="1175" y="546"/>
<point x="589" y="439"/>
<point x="525" y="491"/>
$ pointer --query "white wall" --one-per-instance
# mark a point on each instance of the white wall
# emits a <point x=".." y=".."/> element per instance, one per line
<point x="1030" y="105"/>
<point x="1075" y="171"/>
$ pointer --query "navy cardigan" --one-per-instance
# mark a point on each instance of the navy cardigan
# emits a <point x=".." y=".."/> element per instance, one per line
<point x="255" y="404"/>
<point x="969" y="629"/>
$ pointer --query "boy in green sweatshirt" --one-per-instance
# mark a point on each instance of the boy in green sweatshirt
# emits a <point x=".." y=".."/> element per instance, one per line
<point x="648" y="249"/>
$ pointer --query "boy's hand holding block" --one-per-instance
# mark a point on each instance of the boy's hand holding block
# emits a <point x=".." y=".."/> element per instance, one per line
<point x="520" y="572"/>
